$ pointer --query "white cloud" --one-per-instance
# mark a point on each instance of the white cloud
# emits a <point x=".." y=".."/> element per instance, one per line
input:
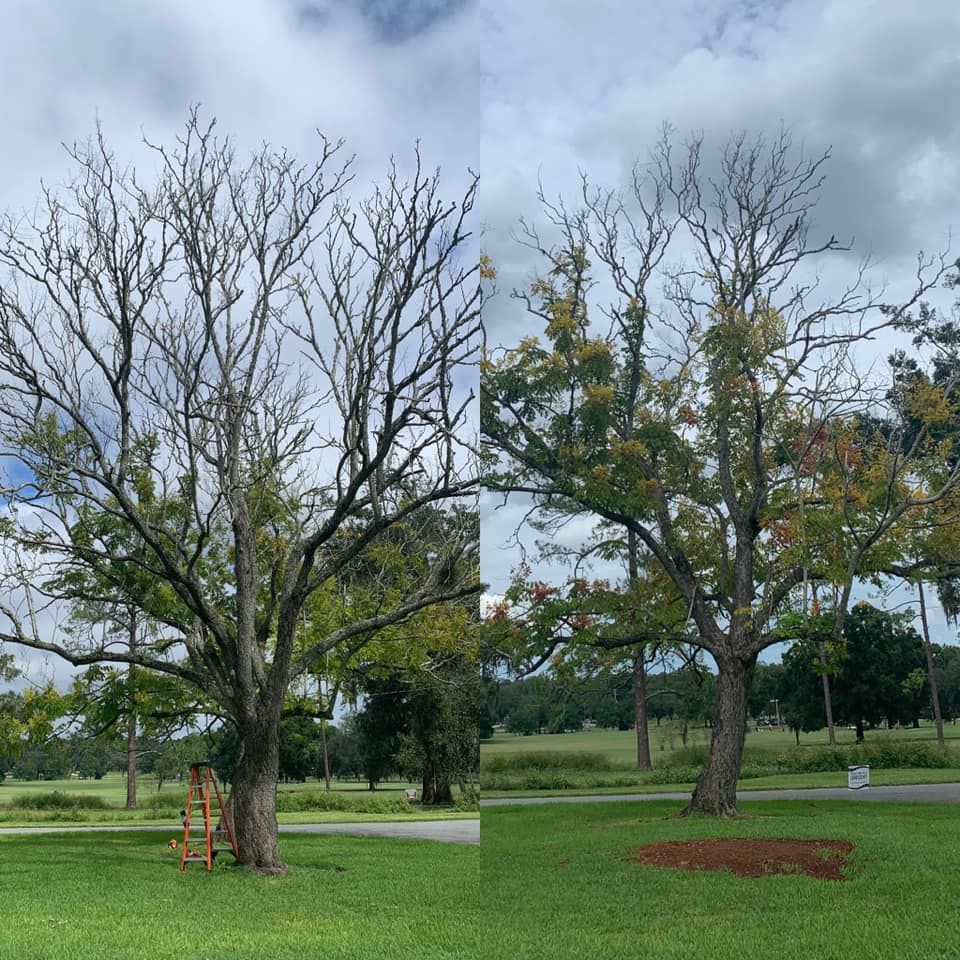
<point x="380" y="73"/>
<point x="516" y="90"/>
<point x="568" y="87"/>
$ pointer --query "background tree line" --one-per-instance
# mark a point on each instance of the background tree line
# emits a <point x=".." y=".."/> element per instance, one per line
<point x="419" y="725"/>
<point x="878" y="677"/>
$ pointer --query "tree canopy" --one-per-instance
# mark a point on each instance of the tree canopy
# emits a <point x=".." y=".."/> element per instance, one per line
<point x="722" y="420"/>
<point x="220" y="390"/>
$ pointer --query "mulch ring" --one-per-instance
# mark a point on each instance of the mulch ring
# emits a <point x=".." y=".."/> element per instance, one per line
<point x="825" y="859"/>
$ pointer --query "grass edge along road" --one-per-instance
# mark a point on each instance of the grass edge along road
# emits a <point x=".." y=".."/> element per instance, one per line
<point x="784" y="781"/>
<point x="570" y="867"/>
<point x="120" y="895"/>
<point x="117" y="818"/>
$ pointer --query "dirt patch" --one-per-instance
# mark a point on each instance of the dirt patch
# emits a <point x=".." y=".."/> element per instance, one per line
<point x="825" y="859"/>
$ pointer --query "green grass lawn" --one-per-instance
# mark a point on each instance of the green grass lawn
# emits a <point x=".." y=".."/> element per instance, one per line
<point x="557" y="884"/>
<point x="121" y="896"/>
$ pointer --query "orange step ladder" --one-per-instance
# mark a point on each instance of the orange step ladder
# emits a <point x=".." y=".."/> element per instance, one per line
<point x="204" y="797"/>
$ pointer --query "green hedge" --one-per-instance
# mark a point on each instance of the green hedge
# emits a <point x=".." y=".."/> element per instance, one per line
<point x="298" y="801"/>
<point x="579" y="771"/>
<point x="882" y="753"/>
<point x="546" y="760"/>
<point x="557" y="780"/>
<point x="58" y="800"/>
<point x="68" y="806"/>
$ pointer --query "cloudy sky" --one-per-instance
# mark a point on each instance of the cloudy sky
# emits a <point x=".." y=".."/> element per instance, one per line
<point x="871" y="80"/>
<point x="382" y="75"/>
<point x="515" y="90"/>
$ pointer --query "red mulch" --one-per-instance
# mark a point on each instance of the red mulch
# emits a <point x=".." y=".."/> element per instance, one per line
<point x="824" y="859"/>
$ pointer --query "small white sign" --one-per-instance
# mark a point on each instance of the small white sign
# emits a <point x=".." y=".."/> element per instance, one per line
<point x="858" y="777"/>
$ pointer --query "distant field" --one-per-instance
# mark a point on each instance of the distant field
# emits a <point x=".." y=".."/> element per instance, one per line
<point x="113" y="788"/>
<point x="621" y="745"/>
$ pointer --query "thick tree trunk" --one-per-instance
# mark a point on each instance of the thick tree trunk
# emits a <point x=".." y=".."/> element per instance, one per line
<point x="931" y="673"/>
<point x="254" y="801"/>
<point x="434" y="788"/>
<point x="640" y="712"/>
<point x="859" y="730"/>
<point x="716" y="789"/>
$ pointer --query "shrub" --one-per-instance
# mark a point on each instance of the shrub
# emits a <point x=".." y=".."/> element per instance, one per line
<point x="58" y="800"/>
<point x="882" y="753"/>
<point x="557" y="779"/>
<point x="290" y="801"/>
<point x="163" y="803"/>
<point x="672" y="774"/>
<point x="469" y="800"/>
<point x="547" y="760"/>
<point x="693" y="755"/>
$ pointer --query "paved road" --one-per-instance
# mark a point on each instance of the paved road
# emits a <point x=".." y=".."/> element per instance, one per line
<point x="917" y="793"/>
<point x="445" y="831"/>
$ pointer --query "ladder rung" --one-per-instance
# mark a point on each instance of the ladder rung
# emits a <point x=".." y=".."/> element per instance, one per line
<point x="207" y="794"/>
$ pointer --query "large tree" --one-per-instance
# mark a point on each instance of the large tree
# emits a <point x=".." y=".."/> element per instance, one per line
<point x="261" y="379"/>
<point x="715" y="412"/>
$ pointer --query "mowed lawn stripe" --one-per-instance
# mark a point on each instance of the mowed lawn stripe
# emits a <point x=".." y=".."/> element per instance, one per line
<point x="121" y="896"/>
<point x="570" y="868"/>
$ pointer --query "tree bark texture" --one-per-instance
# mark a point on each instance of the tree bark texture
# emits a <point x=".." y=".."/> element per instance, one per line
<point x="433" y="788"/>
<point x="716" y="789"/>
<point x="254" y="800"/>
